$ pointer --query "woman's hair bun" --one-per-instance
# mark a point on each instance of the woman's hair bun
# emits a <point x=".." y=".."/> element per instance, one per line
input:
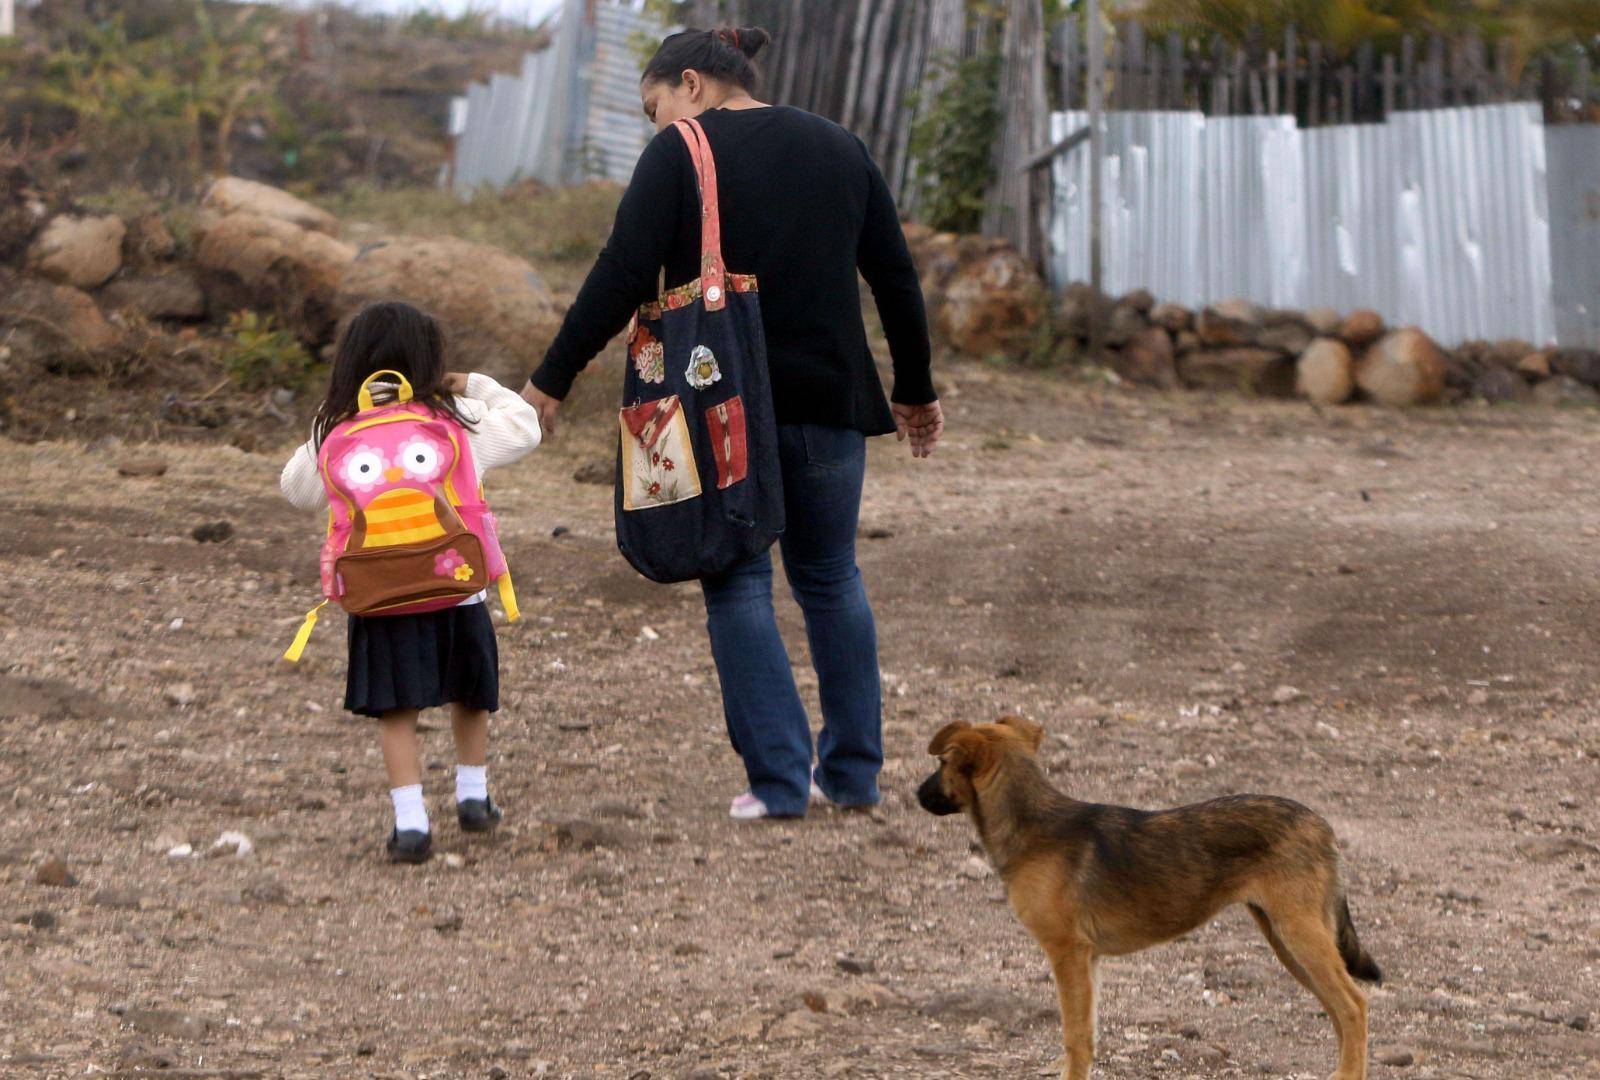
<point x="751" y="39"/>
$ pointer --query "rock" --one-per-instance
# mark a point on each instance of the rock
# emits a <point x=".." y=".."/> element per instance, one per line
<point x="1497" y="385"/>
<point x="117" y="897"/>
<point x="854" y="965"/>
<point x="266" y="891"/>
<point x="1172" y="317"/>
<point x="272" y="265"/>
<point x="76" y="250"/>
<point x="1361" y="328"/>
<point x="494" y="308"/>
<point x="232" y="195"/>
<point x="1185" y="341"/>
<point x="1147" y="359"/>
<point x="601" y="471"/>
<point x="976" y="869"/>
<point x="1580" y="364"/>
<point x="180" y="851"/>
<point x="798" y="1024"/>
<point x="747" y="1025"/>
<point x="37" y="920"/>
<point x="232" y="843"/>
<point x="1285" y="695"/>
<point x="966" y="1006"/>
<point x="1246" y="370"/>
<point x="23" y="209"/>
<point x="148" y="241"/>
<point x="1403" y="368"/>
<point x="1536" y="365"/>
<point x="54" y="872"/>
<point x="179" y="694"/>
<point x="142" y="466"/>
<point x="588" y="835"/>
<point x="1550" y="848"/>
<point x="1126" y="322"/>
<point x="1289" y="333"/>
<point x="1398" y="1058"/>
<point x="1141" y="300"/>
<point x="1506" y="353"/>
<point x="1566" y="392"/>
<point x="1076" y="309"/>
<point x="168" y="1022"/>
<point x="212" y="532"/>
<point x="1230" y="323"/>
<point x="60" y="320"/>
<point x="170" y="294"/>
<point x="1325" y="372"/>
<point x="1324" y="321"/>
<point x="993" y="304"/>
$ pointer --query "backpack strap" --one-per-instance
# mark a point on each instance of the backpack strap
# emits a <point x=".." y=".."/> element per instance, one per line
<point x="713" y="270"/>
<point x="508" y="598"/>
<point x="298" y="646"/>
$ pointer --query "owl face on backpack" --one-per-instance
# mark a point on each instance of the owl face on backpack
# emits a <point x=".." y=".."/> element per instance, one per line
<point x="394" y="473"/>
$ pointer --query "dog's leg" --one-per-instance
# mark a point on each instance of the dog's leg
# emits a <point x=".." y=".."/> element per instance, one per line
<point x="1073" y="966"/>
<point x="1287" y="959"/>
<point x="1310" y="939"/>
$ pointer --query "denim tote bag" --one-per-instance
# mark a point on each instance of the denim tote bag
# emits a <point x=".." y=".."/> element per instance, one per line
<point x="699" y="490"/>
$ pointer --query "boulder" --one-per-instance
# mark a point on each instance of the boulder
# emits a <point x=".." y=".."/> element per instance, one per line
<point x="1506" y="352"/>
<point x="233" y="195"/>
<point x="1325" y="321"/>
<point x="937" y="257"/>
<point x="57" y="325"/>
<point x="1580" y="364"/>
<point x="497" y="314"/>
<point x="23" y="209"/>
<point x="1245" y="369"/>
<point x="1172" y="318"/>
<point x="1141" y="300"/>
<point x="1325" y="372"/>
<point x="1564" y="391"/>
<point x="1402" y="368"/>
<point x="1498" y="384"/>
<point x="75" y="250"/>
<point x="1286" y="332"/>
<point x="1185" y="341"/>
<point x="993" y="305"/>
<point x="1126" y="323"/>
<point x="1076" y="308"/>
<point x="1361" y="328"/>
<point x="148" y="241"/>
<point x="169" y="294"/>
<point x="1230" y="323"/>
<point x="268" y="264"/>
<point x="1535" y="366"/>
<point x="1147" y="359"/>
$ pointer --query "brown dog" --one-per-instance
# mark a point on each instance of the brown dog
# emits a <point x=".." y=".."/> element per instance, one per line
<point x="1089" y="880"/>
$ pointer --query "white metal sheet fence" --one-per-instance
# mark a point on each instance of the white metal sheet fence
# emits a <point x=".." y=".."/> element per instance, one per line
<point x="1439" y="218"/>
<point x="572" y="113"/>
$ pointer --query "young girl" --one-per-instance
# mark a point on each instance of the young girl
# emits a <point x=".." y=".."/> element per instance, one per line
<point x="401" y="664"/>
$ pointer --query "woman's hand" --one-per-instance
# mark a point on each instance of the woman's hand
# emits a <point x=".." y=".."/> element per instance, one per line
<point x="544" y="404"/>
<point x="455" y="382"/>
<point x="922" y="424"/>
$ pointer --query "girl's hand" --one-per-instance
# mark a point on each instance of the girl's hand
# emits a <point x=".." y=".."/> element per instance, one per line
<point x="455" y="382"/>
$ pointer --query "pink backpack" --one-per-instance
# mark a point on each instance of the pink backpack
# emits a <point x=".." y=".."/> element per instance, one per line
<point x="402" y="539"/>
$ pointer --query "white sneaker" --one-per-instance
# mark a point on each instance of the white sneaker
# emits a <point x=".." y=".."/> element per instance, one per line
<point x="747" y="807"/>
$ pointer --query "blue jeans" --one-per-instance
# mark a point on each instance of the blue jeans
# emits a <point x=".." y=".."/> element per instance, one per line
<point x="823" y="470"/>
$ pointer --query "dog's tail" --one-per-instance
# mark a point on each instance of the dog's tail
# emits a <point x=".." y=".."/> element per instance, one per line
<point x="1356" y="959"/>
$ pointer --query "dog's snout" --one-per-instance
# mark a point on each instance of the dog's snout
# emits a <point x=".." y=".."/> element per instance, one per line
<point x="932" y="797"/>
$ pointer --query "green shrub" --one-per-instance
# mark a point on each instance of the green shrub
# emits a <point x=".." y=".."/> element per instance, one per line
<point x="262" y="354"/>
<point x="953" y="142"/>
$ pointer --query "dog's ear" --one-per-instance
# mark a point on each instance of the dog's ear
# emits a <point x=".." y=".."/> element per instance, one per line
<point x="942" y="738"/>
<point x="1031" y="733"/>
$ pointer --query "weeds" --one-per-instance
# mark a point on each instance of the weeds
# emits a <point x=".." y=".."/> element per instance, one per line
<point x="262" y="354"/>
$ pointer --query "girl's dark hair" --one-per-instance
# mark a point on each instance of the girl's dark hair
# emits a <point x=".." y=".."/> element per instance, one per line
<point x="727" y="54"/>
<point x="386" y="335"/>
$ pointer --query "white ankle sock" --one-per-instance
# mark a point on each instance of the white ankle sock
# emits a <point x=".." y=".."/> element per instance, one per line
<point x="472" y="782"/>
<point x="409" y="811"/>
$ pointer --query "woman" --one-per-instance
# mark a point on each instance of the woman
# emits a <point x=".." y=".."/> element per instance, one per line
<point x="803" y="208"/>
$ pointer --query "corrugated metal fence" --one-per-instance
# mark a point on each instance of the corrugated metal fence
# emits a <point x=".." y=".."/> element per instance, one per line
<point x="571" y="114"/>
<point x="1439" y="218"/>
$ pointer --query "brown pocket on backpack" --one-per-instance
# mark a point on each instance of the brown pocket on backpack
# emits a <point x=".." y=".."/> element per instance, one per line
<point x="372" y="580"/>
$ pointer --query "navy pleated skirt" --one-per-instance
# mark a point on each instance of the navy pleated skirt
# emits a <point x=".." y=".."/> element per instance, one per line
<point x="421" y="661"/>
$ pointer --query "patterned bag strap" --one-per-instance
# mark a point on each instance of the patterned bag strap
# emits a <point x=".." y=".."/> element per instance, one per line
<point x="713" y="272"/>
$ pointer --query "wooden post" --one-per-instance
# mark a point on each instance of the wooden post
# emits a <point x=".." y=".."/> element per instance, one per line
<point x="1291" y="64"/>
<point x="1096" y="100"/>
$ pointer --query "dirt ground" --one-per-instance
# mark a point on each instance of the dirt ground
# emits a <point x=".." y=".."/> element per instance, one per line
<point x="1388" y="617"/>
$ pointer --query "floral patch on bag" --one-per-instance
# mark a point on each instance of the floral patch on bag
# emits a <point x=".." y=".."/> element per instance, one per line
<point x="658" y="466"/>
<point x="648" y="355"/>
<point x="703" y="369"/>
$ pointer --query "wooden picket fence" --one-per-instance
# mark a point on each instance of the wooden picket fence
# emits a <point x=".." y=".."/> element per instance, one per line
<point x="1318" y="87"/>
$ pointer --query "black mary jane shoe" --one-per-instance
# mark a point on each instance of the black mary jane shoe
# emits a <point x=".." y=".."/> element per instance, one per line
<point x="410" y="846"/>
<point x="477" y="815"/>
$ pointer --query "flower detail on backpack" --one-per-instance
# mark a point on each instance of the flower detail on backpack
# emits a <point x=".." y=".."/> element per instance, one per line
<point x="649" y="357"/>
<point x="450" y="564"/>
<point x="703" y="369"/>
<point x="364" y="467"/>
<point x="463" y="572"/>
